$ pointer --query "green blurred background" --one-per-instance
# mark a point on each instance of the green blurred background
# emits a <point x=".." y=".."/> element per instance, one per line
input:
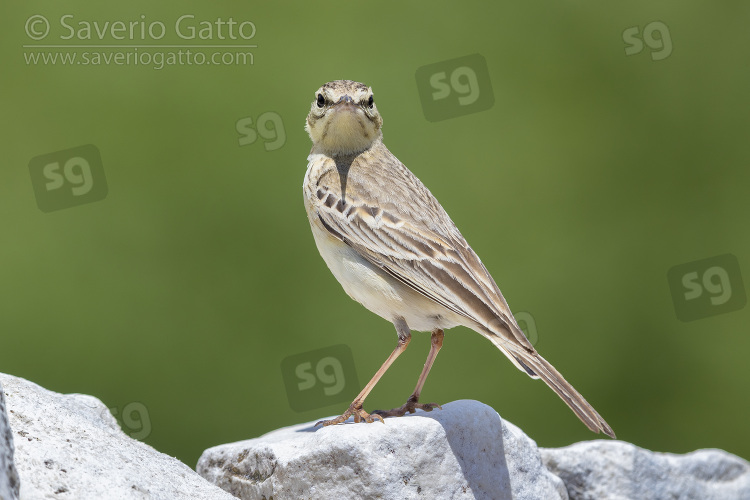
<point x="592" y="175"/>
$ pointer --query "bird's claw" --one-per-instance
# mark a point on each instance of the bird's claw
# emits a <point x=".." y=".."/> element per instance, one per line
<point x="410" y="406"/>
<point x="359" y="414"/>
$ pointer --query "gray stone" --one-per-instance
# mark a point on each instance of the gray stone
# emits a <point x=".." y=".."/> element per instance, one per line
<point x="9" y="483"/>
<point x="613" y="470"/>
<point x="464" y="450"/>
<point x="70" y="446"/>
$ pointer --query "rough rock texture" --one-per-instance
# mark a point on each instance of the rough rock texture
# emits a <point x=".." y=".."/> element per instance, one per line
<point x="464" y="450"/>
<point x="70" y="447"/>
<point x="8" y="475"/>
<point x="595" y="470"/>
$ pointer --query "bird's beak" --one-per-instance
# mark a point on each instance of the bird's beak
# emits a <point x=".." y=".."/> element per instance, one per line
<point x="346" y="103"/>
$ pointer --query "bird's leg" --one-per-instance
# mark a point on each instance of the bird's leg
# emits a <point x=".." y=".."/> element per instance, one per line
<point x="412" y="404"/>
<point x="404" y="337"/>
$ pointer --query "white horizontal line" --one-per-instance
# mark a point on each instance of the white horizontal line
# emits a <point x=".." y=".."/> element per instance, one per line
<point x="138" y="46"/>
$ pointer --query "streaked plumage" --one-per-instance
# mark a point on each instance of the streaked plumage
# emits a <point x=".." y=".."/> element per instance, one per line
<point x="396" y="251"/>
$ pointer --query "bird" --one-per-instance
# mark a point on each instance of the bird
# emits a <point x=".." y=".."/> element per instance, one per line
<point x="394" y="249"/>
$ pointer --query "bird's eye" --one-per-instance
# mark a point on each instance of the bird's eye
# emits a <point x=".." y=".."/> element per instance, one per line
<point x="321" y="100"/>
<point x="370" y="102"/>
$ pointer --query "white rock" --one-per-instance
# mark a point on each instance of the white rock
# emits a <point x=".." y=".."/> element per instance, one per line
<point x="8" y="474"/>
<point x="464" y="450"/>
<point x="605" y="470"/>
<point x="70" y="446"/>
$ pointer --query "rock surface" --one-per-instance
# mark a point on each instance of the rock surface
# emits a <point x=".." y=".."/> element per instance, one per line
<point x="8" y="475"/>
<point x="70" y="447"/>
<point x="464" y="450"/>
<point x="593" y="470"/>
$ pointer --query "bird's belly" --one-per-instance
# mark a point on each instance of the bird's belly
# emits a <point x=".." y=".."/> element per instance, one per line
<point x="378" y="291"/>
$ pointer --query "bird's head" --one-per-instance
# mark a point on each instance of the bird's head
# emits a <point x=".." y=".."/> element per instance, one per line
<point x="343" y="118"/>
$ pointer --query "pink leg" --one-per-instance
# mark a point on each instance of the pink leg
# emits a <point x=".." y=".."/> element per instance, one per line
<point x="404" y="337"/>
<point x="412" y="404"/>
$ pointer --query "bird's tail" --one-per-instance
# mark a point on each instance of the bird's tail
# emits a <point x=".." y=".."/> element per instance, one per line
<point x="537" y="367"/>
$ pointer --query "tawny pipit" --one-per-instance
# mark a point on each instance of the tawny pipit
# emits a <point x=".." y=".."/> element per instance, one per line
<point x="395" y="250"/>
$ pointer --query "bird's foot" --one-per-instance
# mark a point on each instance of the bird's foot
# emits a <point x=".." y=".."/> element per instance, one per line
<point x="358" y="413"/>
<point x="409" y="407"/>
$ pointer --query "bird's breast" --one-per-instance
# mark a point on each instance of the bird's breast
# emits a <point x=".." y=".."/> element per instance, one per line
<point x="364" y="281"/>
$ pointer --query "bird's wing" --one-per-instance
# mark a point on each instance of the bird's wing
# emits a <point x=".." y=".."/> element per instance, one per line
<point x="434" y="259"/>
<point x="442" y="267"/>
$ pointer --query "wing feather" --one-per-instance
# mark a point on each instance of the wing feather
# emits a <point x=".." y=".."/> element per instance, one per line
<point x="420" y="258"/>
